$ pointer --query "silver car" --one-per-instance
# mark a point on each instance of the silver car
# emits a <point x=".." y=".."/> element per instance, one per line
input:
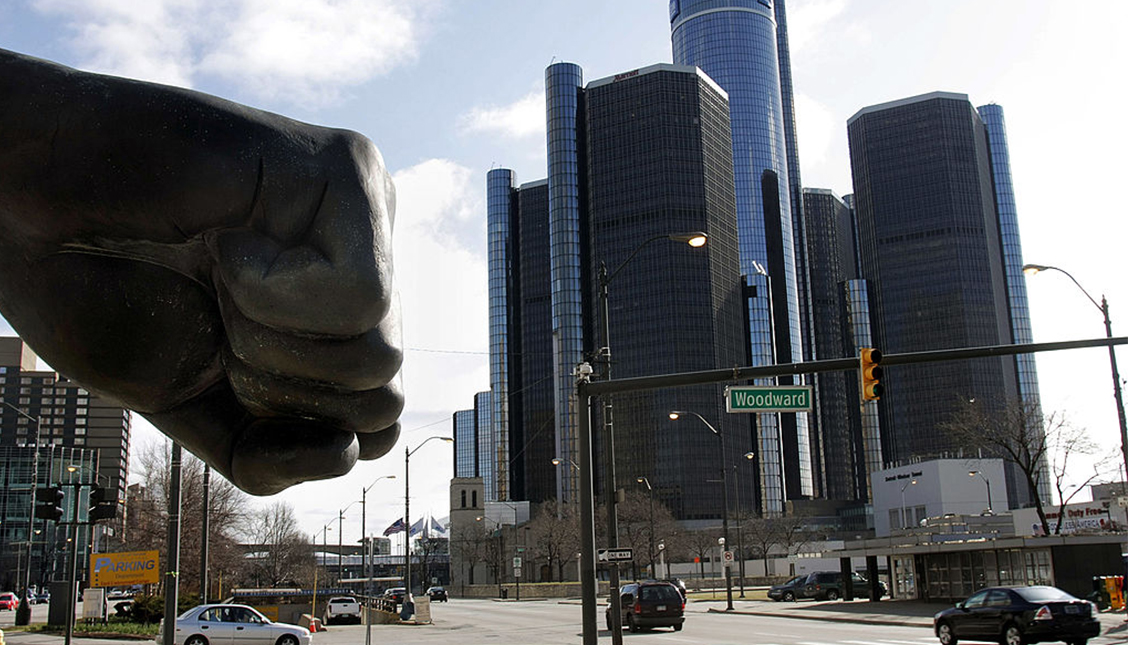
<point x="235" y="624"/>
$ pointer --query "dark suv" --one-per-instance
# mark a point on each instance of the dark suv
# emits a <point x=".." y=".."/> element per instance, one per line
<point x="789" y="591"/>
<point x="648" y="604"/>
<point x="828" y="585"/>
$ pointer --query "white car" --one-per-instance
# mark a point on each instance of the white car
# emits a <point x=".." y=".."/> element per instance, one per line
<point x="212" y="624"/>
<point x="342" y="608"/>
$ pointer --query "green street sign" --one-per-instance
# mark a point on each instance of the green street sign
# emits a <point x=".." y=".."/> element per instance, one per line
<point x="769" y="398"/>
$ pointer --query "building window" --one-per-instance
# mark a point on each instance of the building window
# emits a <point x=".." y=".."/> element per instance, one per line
<point x="474" y="499"/>
<point x="463" y="499"/>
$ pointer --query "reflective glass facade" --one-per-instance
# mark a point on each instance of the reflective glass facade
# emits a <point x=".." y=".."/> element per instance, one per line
<point x="533" y="445"/>
<point x="465" y="453"/>
<point x="994" y="118"/>
<point x="867" y="439"/>
<point x="736" y="43"/>
<point x="500" y="284"/>
<point x="563" y="118"/>
<point x="659" y="162"/>
<point x="931" y="247"/>
<point x="486" y="443"/>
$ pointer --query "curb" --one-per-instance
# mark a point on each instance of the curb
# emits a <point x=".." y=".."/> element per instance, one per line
<point x="843" y="618"/>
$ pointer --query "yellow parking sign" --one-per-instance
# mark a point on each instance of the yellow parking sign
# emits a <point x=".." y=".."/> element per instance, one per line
<point x="120" y="569"/>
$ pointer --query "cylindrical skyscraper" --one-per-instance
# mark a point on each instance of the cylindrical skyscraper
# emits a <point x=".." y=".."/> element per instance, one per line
<point x="563" y="93"/>
<point x="736" y="43"/>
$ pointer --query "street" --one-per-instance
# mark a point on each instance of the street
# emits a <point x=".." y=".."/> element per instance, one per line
<point x="487" y="622"/>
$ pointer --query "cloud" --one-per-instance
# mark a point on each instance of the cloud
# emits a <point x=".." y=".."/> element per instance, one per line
<point x="439" y="245"/>
<point x="523" y="118"/>
<point x="807" y="20"/>
<point x="816" y="127"/>
<point x="304" y="52"/>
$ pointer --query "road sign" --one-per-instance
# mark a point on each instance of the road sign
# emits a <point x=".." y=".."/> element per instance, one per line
<point x="121" y="569"/>
<point x="770" y="398"/>
<point x="728" y="558"/>
<point x="517" y="563"/>
<point x="614" y="555"/>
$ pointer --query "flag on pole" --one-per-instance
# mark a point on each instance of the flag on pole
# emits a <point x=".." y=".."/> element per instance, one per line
<point x="437" y="527"/>
<point x="395" y="527"/>
<point x="417" y="527"/>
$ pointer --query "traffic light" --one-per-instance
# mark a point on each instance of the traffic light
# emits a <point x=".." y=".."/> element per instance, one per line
<point x="103" y="504"/>
<point x="49" y="504"/>
<point x="870" y="372"/>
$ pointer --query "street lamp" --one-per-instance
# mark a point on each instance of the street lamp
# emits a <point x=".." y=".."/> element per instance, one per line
<point x="1033" y="269"/>
<point x="651" y="525"/>
<point x="408" y="607"/>
<point x="694" y="239"/>
<point x="368" y="563"/>
<point x="23" y="611"/>
<point x="903" y="502"/>
<point x="989" y="501"/>
<point x="674" y="415"/>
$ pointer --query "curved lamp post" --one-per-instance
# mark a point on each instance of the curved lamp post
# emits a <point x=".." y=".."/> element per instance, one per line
<point x="674" y="415"/>
<point x="989" y="500"/>
<point x="651" y="525"/>
<point x="367" y="561"/>
<point x="408" y="607"/>
<point x="1033" y="269"/>
<point x="694" y="239"/>
<point x="903" y="503"/>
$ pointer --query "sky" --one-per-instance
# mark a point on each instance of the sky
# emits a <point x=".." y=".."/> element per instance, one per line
<point x="450" y="89"/>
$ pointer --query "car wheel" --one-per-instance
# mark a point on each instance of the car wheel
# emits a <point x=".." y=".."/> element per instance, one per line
<point x="832" y="594"/>
<point x="287" y="639"/>
<point x="788" y="596"/>
<point x="632" y="626"/>
<point x="1012" y="635"/>
<point x="946" y="634"/>
<point x="196" y="640"/>
<point x="677" y="627"/>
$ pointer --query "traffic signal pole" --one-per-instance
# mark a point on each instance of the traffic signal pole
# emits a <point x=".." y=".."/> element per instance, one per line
<point x="587" y="389"/>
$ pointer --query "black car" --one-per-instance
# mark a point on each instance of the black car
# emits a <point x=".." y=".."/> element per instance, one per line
<point x="648" y="604"/>
<point x="829" y="585"/>
<point x="396" y="594"/>
<point x="1017" y="615"/>
<point x="788" y="591"/>
<point x="678" y="585"/>
<point x="437" y="594"/>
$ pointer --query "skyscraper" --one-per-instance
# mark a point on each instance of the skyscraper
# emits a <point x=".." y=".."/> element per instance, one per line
<point x="740" y="45"/>
<point x="933" y="241"/>
<point x="632" y="158"/>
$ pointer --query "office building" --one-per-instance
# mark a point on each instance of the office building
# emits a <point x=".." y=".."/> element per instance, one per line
<point x="743" y="46"/>
<point x="72" y="436"/>
<point x="633" y="158"/>
<point x="932" y="242"/>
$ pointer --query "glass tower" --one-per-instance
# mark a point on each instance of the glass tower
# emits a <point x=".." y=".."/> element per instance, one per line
<point x="500" y="183"/>
<point x="563" y="155"/>
<point x="464" y="455"/>
<point x="736" y="43"/>
<point x="933" y="244"/>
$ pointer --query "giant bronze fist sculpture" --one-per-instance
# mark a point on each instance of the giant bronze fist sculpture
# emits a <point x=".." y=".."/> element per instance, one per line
<point x="224" y="271"/>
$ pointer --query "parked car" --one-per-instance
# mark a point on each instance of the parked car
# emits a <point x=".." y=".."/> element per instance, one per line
<point x="1016" y="615"/>
<point x="9" y="600"/>
<point x="396" y="594"/>
<point x="644" y="605"/>
<point x="342" y="608"/>
<point x="788" y="591"/>
<point x="437" y="594"/>
<point x="829" y="585"/>
<point x="225" y="623"/>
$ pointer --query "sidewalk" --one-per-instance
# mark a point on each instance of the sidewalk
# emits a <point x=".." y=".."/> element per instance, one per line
<point x="884" y="612"/>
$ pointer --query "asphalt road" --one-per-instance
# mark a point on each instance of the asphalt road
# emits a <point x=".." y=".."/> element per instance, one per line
<point x="486" y="622"/>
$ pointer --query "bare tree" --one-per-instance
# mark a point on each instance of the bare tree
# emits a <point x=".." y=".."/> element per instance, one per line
<point x="1067" y="442"/>
<point x="1016" y="432"/>
<point x="701" y="544"/>
<point x="281" y="550"/>
<point x="147" y="512"/>
<point x="554" y="538"/>
<point x="467" y="544"/>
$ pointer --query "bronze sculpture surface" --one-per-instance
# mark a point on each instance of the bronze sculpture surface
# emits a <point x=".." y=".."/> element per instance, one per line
<point x="224" y="271"/>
